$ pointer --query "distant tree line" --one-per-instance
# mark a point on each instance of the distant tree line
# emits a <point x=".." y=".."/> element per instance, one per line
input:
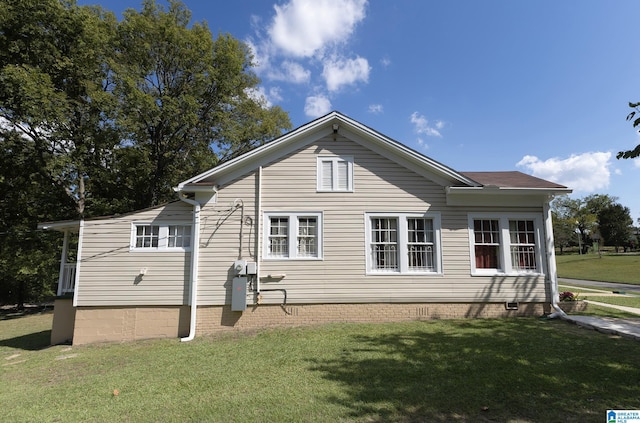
<point x="100" y="116"/>
<point x="597" y="218"/>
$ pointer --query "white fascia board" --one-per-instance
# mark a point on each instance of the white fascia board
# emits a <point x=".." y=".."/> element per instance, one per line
<point x="256" y="153"/>
<point x="500" y="197"/>
<point x="64" y="225"/>
<point x="317" y="129"/>
<point x="401" y="150"/>
<point x="251" y="164"/>
<point x="490" y="189"/>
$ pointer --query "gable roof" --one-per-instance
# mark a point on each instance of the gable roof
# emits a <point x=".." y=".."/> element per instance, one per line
<point x="334" y="122"/>
<point x="340" y="124"/>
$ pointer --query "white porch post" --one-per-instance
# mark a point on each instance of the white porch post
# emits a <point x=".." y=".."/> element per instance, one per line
<point x="63" y="261"/>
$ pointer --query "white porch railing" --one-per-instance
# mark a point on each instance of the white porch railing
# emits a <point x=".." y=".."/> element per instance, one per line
<point x="67" y="279"/>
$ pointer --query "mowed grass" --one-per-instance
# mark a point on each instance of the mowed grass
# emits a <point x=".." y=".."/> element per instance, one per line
<point x="605" y="268"/>
<point x="506" y="370"/>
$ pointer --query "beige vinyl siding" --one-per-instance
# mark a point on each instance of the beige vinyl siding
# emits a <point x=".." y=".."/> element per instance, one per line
<point x="220" y="238"/>
<point x="380" y="185"/>
<point x="110" y="271"/>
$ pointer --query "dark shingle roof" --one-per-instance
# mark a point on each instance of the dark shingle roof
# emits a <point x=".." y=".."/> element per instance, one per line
<point x="512" y="179"/>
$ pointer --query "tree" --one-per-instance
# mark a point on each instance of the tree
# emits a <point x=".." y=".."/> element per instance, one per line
<point x="573" y="216"/>
<point x="28" y="258"/>
<point x="630" y="154"/>
<point x="564" y="233"/>
<point x="54" y="130"/>
<point x="595" y="203"/>
<point x="615" y="225"/>
<point x="54" y="93"/>
<point x="185" y="100"/>
<point x="100" y="117"/>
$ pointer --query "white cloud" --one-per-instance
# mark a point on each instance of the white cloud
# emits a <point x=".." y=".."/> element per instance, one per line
<point x="274" y="95"/>
<point x="266" y="99"/>
<point x="586" y="172"/>
<point x="291" y="72"/>
<point x="296" y="73"/>
<point x="375" y="108"/>
<point x="422" y="125"/>
<point x="338" y="72"/>
<point x="258" y="95"/>
<point x="301" y="28"/>
<point x="423" y="145"/>
<point x="385" y="62"/>
<point x="317" y="105"/>
<point x="636" y="163"/>
<point x="259" y="53"/>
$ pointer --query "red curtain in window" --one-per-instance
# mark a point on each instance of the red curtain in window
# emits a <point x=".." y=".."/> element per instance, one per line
<point x="486" y="257"/>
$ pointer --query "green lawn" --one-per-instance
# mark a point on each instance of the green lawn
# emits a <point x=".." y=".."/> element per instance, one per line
<point x="607" y="268"/>
<point x="630" y="301"/>
<point x="481" y="370"/>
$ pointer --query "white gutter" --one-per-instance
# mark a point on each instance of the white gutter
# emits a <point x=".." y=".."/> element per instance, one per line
<point x="551" y="261"/>
<point x="195" y="249"/>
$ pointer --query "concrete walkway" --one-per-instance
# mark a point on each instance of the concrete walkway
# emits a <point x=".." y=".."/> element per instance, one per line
<point x="629" y="328"/>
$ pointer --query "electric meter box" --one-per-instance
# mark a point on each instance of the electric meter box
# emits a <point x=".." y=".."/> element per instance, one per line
<point x="240" y="267"/>
<point x="252" y="268"/>
<point x="239" y="294"/>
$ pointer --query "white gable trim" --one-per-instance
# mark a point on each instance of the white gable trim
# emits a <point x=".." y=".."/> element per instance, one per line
<point x="322" y="127"/>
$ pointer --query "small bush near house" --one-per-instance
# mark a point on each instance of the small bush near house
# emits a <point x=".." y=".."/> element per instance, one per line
<point x="568" y="296"/>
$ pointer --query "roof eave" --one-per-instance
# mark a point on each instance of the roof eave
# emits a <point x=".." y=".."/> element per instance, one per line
<point x="507" y="190"/>
<point x="63" y="225"/>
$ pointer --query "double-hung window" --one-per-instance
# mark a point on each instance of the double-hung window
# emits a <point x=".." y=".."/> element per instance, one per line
<point x="160" y="237"/>
<point x="505" y="244"/>
<point x="335" y="174"/>
<point x="403" y="243"/>
<point x="293" y="235"/>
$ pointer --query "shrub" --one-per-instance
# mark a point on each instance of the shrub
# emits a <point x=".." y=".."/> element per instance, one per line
<point x="568" y="296"/>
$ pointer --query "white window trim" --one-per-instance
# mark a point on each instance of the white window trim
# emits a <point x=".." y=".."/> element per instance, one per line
<point x="504" y="250"/>
<point x="292" y="235"/>
<point x="403" y="259"/>
<point x="334" y="159"/>
<point x="163" y="237"/>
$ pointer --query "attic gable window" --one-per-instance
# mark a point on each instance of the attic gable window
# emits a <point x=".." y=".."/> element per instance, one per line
<point x="335" y="174"/>
<point x="160" y="237"/>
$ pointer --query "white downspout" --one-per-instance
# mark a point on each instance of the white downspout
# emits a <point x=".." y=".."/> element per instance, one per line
<point x="551" y="261"/>
<point x="76" y="282"/>
<point x="63" y="261"/>
<point x="258" y="229"/>
<point x="195" y="249"/>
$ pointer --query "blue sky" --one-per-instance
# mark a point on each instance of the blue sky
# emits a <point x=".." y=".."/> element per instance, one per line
<point x="537" y="86"/>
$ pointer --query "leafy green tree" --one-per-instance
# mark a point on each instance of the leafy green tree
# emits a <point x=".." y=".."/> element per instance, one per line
<point x="99" y="117"/>
<point x="54" y="131"/>
<point x="595" y="203"/>
<point x="630" y="154"/>
<point x="29" y="259"/>
<point x="616" y="225"/>
<point x="53" y="88"/>
<point x="564" y="233"/>
<point x="572" y="215"/>
<point x="185" y="99"/>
